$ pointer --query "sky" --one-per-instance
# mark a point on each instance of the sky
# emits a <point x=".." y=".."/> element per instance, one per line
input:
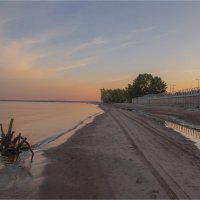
<point x="69" y="50"/>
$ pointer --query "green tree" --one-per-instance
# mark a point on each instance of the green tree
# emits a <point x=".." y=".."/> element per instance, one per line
<point x="142" y="85"/>
<point x="158" y="86"/>
<point x="129" y="92"/>
<point x="145" y="84"/>
<point x="106" y="95"/>
<point x="116" y="95"/>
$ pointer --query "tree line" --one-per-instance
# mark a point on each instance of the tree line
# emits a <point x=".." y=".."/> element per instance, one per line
<point x="143" y="84"/>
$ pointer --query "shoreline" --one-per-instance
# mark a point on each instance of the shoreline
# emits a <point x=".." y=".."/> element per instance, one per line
<point x="50" y="101"/>
<point x="52" y="154"/>
<point x="105" y="160"/>
<point x="119" y="154"/>
<point x="64" y="136"/>
<point x="24" y="177"/>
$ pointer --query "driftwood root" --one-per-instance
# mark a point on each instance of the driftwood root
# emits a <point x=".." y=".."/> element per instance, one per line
<point x="10" y="145"/>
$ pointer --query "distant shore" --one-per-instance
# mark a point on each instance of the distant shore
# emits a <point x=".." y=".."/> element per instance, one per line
<point x="122" y="154"/>
<point x="56" y="101"/>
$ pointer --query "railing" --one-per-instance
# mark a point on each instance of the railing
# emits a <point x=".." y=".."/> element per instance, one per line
<point x="184" y="92"/>
<point x="187" y="97"/>
<point x="195" y="90"/>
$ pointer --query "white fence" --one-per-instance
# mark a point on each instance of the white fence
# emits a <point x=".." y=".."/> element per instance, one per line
<point x="184" y="98"/>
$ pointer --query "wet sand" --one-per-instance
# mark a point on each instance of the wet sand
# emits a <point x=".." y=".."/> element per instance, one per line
<point x="123" y="155"/>
<point x="50" y="125"/>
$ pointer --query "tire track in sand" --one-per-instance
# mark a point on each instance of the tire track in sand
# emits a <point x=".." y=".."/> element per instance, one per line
<point x="163" y="136"/>
<point x="160" y="179"/>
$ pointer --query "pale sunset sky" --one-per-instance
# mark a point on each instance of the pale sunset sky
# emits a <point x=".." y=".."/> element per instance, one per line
<point x="69" y="50"/>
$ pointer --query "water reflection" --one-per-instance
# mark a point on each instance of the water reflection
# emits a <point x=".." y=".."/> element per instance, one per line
<point x="188" y="132"/>
<point x="40" y="121"/>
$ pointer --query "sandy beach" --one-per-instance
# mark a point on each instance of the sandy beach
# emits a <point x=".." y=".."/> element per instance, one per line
<point x="123" y="154"/>
<point x="99" y="99"/>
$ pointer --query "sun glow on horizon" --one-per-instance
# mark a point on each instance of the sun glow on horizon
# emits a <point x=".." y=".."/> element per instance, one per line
<point x="70" y="50"/>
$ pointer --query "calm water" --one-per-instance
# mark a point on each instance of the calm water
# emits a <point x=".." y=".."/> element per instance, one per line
<point x="43" y="123"/>
<point x="190" y="133"/>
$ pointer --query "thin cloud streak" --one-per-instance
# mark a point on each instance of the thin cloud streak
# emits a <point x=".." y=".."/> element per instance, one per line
<point x="90" y="44"/>
<point x="132" y="38"/>
<point x="78" y="47"/>
<point x="143" y="30"/>
<point x="138" y="40"/>
<point x="79" y="64"/>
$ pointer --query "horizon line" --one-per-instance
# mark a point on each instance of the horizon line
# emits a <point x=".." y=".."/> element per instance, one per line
<point x="61" y="101"/>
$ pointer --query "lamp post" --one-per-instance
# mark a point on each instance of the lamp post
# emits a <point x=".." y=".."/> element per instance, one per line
<point x="198" y="79"/>
<point x="173" y="88"/>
